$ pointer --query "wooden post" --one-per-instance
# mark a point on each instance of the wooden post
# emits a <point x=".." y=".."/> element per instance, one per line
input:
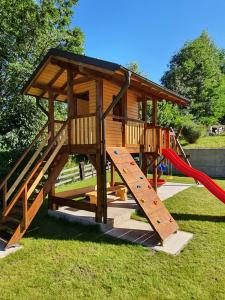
<point x="51" y="129"/>
<point x="4" y="205"/>
<point x="25" y="207"/>
<point x="144" y="165"/>
<point x="51" y="115"/>
<point x="154" y="163"/>
<point x="124" y="114"/>
<point x="99" y="162"/>
<point x="112" y="182"/>
<point x="81" y="169"/>
<point x="71" y="103"/>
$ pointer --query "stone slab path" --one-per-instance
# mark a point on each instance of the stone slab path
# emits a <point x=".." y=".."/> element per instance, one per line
<point x="121" y="226"/>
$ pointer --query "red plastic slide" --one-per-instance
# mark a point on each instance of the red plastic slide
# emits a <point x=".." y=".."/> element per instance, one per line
<point x="191" y="172"/>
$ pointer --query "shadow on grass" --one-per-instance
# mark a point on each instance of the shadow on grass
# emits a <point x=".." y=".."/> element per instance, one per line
<point x="195" y="217"/>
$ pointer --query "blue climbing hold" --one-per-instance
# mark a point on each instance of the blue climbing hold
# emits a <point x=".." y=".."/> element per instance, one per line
<point x="158" y="221"/>
<point x="141" y="177"/>
<point x="116" y="152"/>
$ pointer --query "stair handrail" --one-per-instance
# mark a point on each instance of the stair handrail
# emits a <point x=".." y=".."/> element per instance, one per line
<point x="4" y="182"/>
<point x="23" y="188"/>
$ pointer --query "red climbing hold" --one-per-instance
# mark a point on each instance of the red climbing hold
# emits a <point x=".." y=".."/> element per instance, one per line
<point x="132" y="163"/>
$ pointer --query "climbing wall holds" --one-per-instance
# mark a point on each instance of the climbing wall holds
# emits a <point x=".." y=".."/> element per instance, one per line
<point x="142" y="200"/>
<point x="132" y="163"/>
<point x="158" y="221"/>
<point x="149" y="186"/>
<point x="170" y="220"/>
<point x="125" y="170"/>
<point x="116" y="152"/>
<point x="138" y="186"/>
<point x="155" y="202"/>
<point x="141" y="177"/>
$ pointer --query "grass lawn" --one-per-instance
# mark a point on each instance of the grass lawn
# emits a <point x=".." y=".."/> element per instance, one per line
<point x="207" y="142"/>
<point x="69" y="261"/>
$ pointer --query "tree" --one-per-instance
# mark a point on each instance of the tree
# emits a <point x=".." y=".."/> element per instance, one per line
<point x="28" y="28"/>
<point x="197" y="72"/>
<point x="134" y="67"/>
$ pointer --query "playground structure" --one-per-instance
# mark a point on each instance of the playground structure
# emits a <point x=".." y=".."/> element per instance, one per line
<point x="107" y="120"/>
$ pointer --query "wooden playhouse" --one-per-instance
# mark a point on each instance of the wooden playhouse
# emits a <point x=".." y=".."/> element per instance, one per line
<point x="107" y="120"/>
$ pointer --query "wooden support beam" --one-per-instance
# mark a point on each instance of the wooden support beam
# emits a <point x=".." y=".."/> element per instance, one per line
<point x="77" y="81"/>
<point x="124" y="115"/>
<point x="99" y="160"/>
<point x="144" y="165"/>
<point x="154" y="112"/>
<point x="112" y="181"/>
<point x="52" y="81"/>
<point x="75" y="204"/>
<point x="51" y="114"/>
<point x="44" y="87"/>
<point x="154" y="173"/>
<point x="71" y="103"/>
<point x="51" y="130"/>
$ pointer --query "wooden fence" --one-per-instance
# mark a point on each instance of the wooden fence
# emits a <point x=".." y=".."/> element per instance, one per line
<point x="77" y="173"/>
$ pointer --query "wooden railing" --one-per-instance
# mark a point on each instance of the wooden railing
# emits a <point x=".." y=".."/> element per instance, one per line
<point x="42" y="137"/>
<point x="83" y="130"/>
<point x="166" y="138"/>
<point x="153" y="136"/>
<point x="36" y="174"/>
<point x="134" y="132"/>
<point x="57" y="126"/>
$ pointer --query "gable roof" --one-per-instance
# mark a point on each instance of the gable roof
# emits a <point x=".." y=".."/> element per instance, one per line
<point x="52" y="72"/>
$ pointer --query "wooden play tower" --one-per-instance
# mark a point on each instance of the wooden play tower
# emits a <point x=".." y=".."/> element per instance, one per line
<point x="107" y="120"/>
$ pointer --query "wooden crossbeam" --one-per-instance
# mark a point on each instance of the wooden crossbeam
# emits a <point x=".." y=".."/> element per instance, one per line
<point x="44" y="87"/>
<point x="52" y="81"/>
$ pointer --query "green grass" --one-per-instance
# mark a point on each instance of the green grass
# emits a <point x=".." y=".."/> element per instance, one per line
<point x="207" y="142"/>
<point x="69" y="261"/>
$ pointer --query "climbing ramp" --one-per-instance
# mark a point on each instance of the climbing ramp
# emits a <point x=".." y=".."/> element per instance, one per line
<point x="156" y="213"/>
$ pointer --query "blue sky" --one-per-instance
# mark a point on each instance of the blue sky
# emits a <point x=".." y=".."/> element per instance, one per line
<point x="146" y="31"/>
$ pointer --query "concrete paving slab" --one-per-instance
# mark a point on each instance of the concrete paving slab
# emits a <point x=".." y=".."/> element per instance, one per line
<point x="141" y="233"/>
<point x="170" y="189"/>
<point x="4" y="253"/>
<point x="175" y="243"/>
<point x="121" y="226"/>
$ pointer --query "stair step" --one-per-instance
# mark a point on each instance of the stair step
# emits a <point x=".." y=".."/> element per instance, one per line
<point x="7" y="227"/>
<point x="5" y="236"/>
<point x="16" y="213"/>
<point x="11" y="219"/>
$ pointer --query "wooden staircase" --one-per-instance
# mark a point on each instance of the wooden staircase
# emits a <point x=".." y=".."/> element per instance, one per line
<point x="24" y="189"/>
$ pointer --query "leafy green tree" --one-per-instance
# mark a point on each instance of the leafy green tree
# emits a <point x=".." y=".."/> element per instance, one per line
<point x="197" y="71"/>
<point x="134" y="67"/>
<point x="28" y="28"/>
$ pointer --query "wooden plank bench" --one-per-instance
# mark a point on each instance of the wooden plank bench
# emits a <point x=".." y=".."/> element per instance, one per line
<point x="76" y="192"/>
<point x="119" y="191"/>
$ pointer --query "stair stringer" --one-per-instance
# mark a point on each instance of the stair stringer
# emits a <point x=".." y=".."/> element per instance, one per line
<point x="34" y="208"/>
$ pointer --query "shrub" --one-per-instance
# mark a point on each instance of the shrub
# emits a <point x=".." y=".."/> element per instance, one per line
<point x="191" y="132"/>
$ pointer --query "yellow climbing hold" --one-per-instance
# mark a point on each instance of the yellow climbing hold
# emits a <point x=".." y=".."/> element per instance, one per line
<point x="125" y="170"/>
<point x="142" y="200"/>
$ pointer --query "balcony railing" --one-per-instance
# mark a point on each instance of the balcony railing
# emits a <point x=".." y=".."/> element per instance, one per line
<point x="83" y="130"/>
